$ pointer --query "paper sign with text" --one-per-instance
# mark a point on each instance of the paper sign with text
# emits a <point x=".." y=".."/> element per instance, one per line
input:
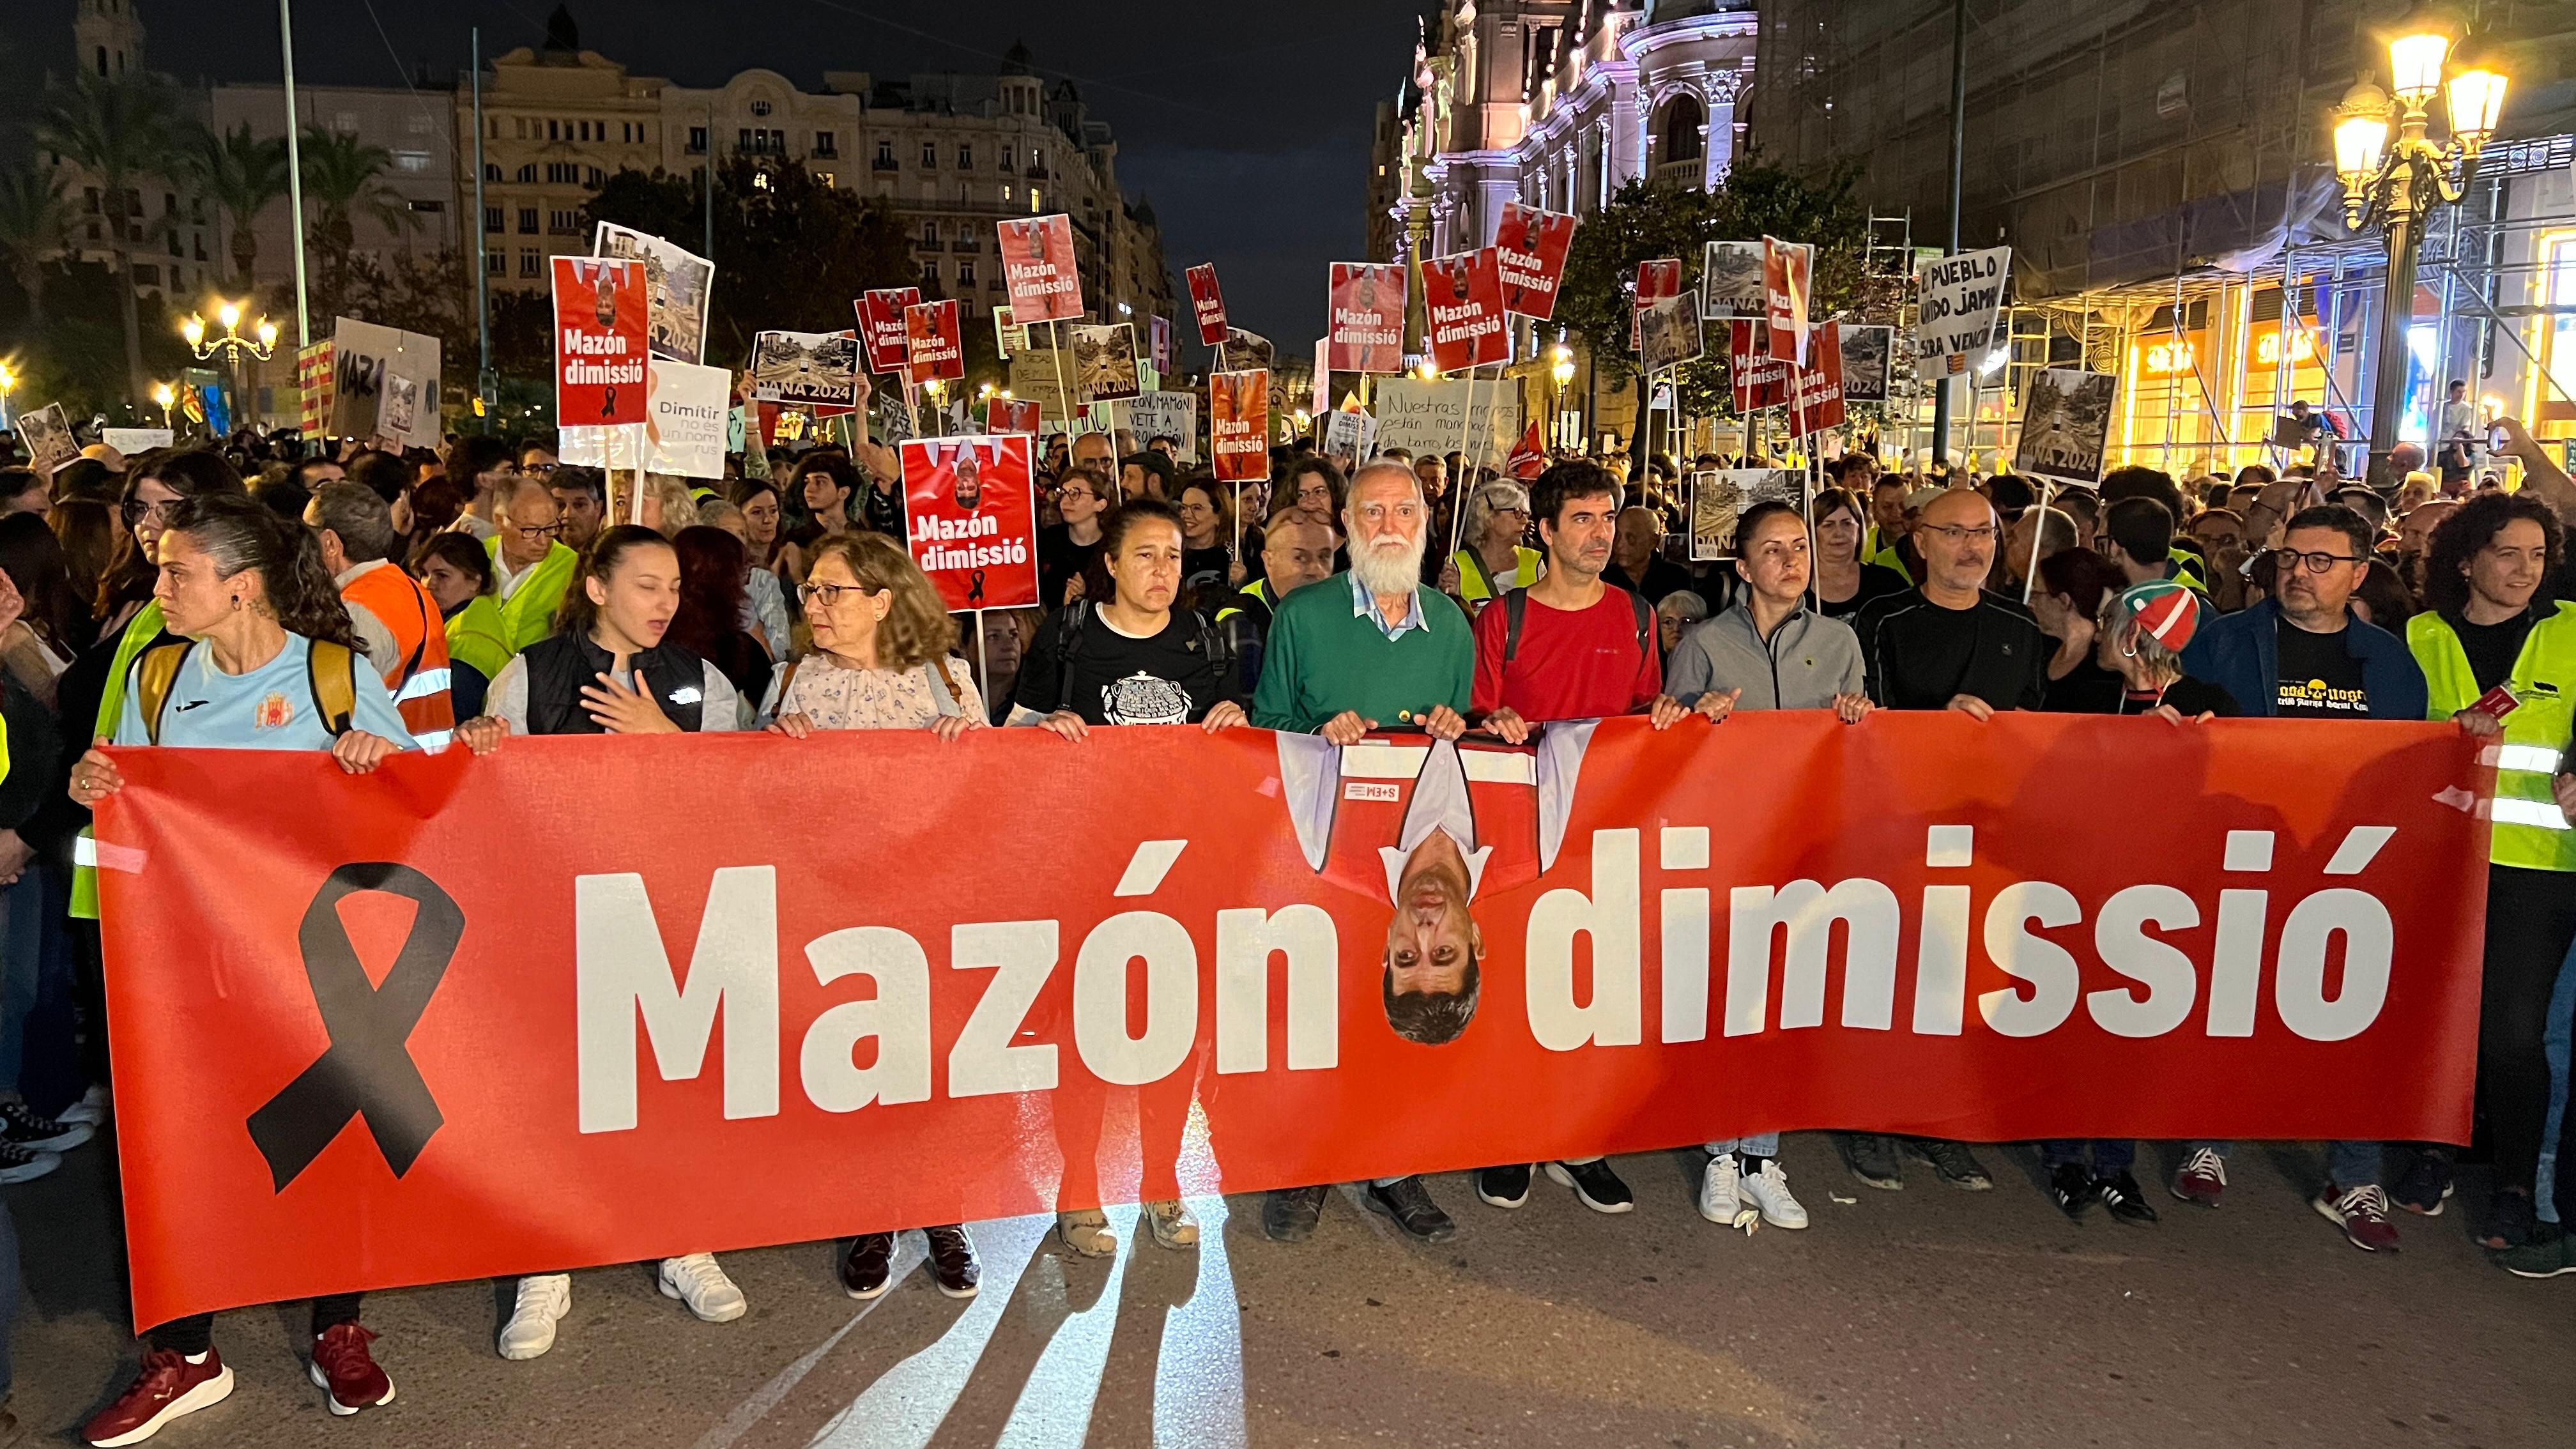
<point x="1207" y="304"/>
<point x="1239" y="425"/>
<point x="1530" y="247"/>
<point x="1367" y="324"/>
<point x="1957" y="298"/>
<point x="1787" y="269"/>
<point x="1038" y="265"/>
<point x="970" y="514"/>
<point x="881" y="327"/>
<point x="600" y="344"/>
<point x="1464" y="297"/>
<point x="933" y="347"/>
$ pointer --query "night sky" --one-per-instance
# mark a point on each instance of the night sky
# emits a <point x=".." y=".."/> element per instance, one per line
<point x="1246" y="124"/>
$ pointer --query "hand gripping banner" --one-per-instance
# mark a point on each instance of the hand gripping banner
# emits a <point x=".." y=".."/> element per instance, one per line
<point x="606" y="1000"/>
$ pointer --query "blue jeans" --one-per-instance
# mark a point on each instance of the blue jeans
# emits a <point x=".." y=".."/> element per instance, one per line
<point x="1760" y="1144"/>
<point x="2110" y="1154"/>
<point x="2348" y="1164"/>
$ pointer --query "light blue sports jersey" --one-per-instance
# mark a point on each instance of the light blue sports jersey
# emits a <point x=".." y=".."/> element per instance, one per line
<point x="270" y="708"/>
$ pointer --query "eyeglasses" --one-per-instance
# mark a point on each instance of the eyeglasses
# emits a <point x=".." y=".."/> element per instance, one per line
<point x="136" y="511"/>
<point x="538" y="535"/>
<point x="829" y="594"/>
<point x="539" y="469"/>
<point x="2316" y="563"/>
<point x="1984" y="533"/>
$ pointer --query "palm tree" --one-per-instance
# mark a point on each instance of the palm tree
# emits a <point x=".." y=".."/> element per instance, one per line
<point x="344" y="176"/>
<point x="241" y="176"/>
<point x="33" y="223"/>
<point x="121" y="131"/>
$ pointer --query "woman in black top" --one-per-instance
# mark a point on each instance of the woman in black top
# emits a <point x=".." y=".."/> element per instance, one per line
<point x="1207" y="531"/>
<point x="1844" y="580"/>
<point x="2074" y="584"/>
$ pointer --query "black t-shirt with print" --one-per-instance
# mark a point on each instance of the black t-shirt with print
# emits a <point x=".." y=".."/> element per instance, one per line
<point x="1109" y="678"/>
<point x="2316" y="678"/>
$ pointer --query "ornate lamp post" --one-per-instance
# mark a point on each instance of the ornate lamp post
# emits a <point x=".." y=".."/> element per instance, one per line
<point x="1561" y="369"/>
<point x="2395" y="183"/>
<point x="232" y="344"/>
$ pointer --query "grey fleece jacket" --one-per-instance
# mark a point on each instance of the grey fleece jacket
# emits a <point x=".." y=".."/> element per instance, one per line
<point x="1808" y="661"/>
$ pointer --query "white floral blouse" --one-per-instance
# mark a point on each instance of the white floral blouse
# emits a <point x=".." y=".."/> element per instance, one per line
<point x="836" y="697"/>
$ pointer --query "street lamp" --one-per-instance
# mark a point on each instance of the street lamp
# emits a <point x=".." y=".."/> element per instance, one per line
<point x="1561" y="368"/>
<point x="8" y="385"/>
<point x="2395" y="184"/>
<point x="232" y="344"/>
<point x="162" y="394"/>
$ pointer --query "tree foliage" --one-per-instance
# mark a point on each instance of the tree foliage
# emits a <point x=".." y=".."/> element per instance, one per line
<point x="791" y="252"/>
<point x="1644" y="222"/>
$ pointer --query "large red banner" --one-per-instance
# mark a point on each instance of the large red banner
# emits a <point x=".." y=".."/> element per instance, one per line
<point x="1530" y="248"/>
<point x="1464" y="294"/>
<point x="1366" y="333"/>
<point x="599" y="342"/>
<point x="970" y="512"/>
<point x="1207" y="303"/>
<point x="1038" y="265"/>
<point x="697" y="1005"/>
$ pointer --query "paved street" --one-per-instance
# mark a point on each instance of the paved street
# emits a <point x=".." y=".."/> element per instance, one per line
<point x="1923" y="1318"/>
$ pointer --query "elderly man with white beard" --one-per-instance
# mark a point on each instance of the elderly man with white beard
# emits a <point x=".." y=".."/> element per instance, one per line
<point x="1369" y="649"/>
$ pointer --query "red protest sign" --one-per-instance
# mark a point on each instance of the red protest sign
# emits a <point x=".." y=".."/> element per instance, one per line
<point x="1011" y="415"/>
<point x="933" y="345"/>
<point x="971" y="518"/>
<point x="1759" y="379"/>
<point x="1901" y="927"/>
<point x="1206" y="303"/>
<point x="1239" y="424"/>
<point x="1367" y="323"/>
<point x="1038" y="264"/>
<point x="881" y="327"/>
<point x="1785" y="280"/>
<point x="1529" y="251"/>
<point x="1656" y="280"/>
<point x="1464" y="295"/>
<point x="1816" y="394"/>
<point x="599" y="341"/>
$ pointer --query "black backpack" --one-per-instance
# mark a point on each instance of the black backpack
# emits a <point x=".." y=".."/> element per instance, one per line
<point x="1068" y="637"/>
<point x="1516" y="608"/>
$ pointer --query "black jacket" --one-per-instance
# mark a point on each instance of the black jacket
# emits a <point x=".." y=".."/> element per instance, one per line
<point x="559" y="666"/>
<point x="2007" y="666"/>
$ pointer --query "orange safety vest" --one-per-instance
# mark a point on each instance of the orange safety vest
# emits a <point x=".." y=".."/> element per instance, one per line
<point x="419" y="680"/>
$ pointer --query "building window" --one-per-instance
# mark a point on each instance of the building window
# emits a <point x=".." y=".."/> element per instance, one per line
<point x="554" y="130"/>
<point x="528" y="172"/>
<point x="527" y="221"/>
<point x="412" y="161"/>
<point x="177" y="248"/>
<point x="760" y="108"/>
<point x="823" y="144"/>
<point x="596" y="178"/>
<point x="1008" y="153"/>
<point x="966" y="272"/>
<point x="169" y="203"/>
<point x="566" y="173"/>
<point x="495" y="264"/>
<point x="885" y="155"/>
<point x="930" y="233"/>
<point x="965" y="157"/>
<point x="929" y="272"/>
<point x="563" y="223"/>
<point x="492" y="219"/>
<point x="429" y="206"/>
<point x="527" y="264"/>
<point x="89" y="200"/>
<point x="149" y="274"/>
<point x="930" y="153"/>
<point x="697" y="140"/>
<point x="491" y="170"/>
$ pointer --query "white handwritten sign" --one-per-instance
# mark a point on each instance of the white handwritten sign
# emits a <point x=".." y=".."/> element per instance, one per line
<point x="1427" y="417"/>
<point x="1958" y="296"/>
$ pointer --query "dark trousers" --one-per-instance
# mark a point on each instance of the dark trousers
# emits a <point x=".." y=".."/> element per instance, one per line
<point x="2531" y="918"/>
<point x="2109" y="1155"/>
<point x="195" y="1334"/>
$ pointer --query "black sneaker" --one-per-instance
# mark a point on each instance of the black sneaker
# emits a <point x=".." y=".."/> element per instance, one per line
<point x="1410" y="1204"/>
<point x="2128" y="1204"/>
<point x="1599" y="1188"/>
<point x="2511" y="1221"/>
<point x="1503" y="1187"/>
<point x="2070" y="1186"/>
<point x="1873" y="1160"/>
<point x="1289" y="1214"/>
<point x="1955" y="1164"/>
<point x="2424" y="1186"/>
<point x="39" y="1134"/>
<point x="25" y="1164"/>
<point x="866" y="1268"/>
<point x="952" y="1261"/>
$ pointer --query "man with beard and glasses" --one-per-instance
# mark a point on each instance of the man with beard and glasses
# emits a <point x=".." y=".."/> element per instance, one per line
<point x="1362" y="650"/>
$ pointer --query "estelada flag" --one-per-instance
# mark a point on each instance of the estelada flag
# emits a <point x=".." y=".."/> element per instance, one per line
<point x="1207" y="303"/>
<point x="1463" y="296"/>
<point x="1530" y="248"/>
<point x="1656" y="280"/>
<point x="881" y="327"/>
<point x="1528" y="459"/>
<point x="599" y="341"/>
<point x="1366" y="333"/>
<point x="933" y="347"/>
<point x="1785" y="267"/>
<point x="1239" y="424"/>
<point x="1816" y="393"/>
<point x="1760" y="381"/>
<point x="971" y="518"/>
<point x="1038" y="264"/>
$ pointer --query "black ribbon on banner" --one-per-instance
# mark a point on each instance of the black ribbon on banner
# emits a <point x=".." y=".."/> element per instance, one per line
<point x="975" y="587"/>
<point x="367" y="1071"/>
<point x="607" y="403"/>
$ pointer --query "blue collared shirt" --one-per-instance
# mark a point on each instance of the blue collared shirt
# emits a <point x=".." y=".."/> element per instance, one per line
<point x="1364" y="603"/>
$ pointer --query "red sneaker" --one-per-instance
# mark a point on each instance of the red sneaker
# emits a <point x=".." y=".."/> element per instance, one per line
<point x="2362" y="1213"/>
<point x="344" y="1369"/>
<point x="169" y="1387"/>
<point x="2203" y="1179"/>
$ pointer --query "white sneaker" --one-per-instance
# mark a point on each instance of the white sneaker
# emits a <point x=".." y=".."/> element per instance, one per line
<point x="1087" y="1231"/>
<point x="25" y="1164"/>
<point x="90" y="1110"/>
<point x="1173" y="1224"/>
<point x="544" y="1298"/>
<point x="698" y="1282"/>
<point x="1769" y="1191"/>
<point x="1718" y="1199"/>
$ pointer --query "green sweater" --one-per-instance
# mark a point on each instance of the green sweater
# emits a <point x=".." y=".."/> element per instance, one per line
<point x="1322" y="659"/>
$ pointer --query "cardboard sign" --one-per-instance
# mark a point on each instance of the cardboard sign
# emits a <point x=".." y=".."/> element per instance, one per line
<point x="131" y="441"/>
<point x="881" y="326"/>
<point x="1428" y="417"/>
<point x="1104" y="362"/>
<point x="1207" y="304"/>
<point x="1816" y="393"/>
<point x="689" y="426"/>
<point x="1785" y="281"/>
<point x="600" y="346"/>
<point x="2065" y="423"/>
<point x="1656" y="280"/>
<point x="1366" y="330"/>
<point x="932" y="345"/>
<point x="1463" y="296"/>
<point x="806" y="369"/>
<point x="1730" y="281"/>
<point x="1165" y="353"/>
<point x="1350" y="438"/>
<point x="362" y="353"/>
<point x="1039" y="267"/>
<point x="971" y="519"/>
<point x="1529" y="255"/>
<point x="1957" y="298"/>
<point x="1244" y="352"/>
<point x="677" y="283"/>
<point x="1153" y="414"/>
<point x="1239" y="425"/>
<point x="397" y="404"/>
<point x="47" y="436"/>
<point x="1718" y="499"/>
<point x="313" y="388"/>
<point x="1668" y="332"/>
<point x="1868" y="355"/>
<point x="1011" y="415"/>
<point x="1759" y="380"/>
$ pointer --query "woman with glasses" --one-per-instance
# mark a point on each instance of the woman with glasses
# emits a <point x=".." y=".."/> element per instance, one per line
<point x="1207" y="536"/>
<point x="883" y="660"/>
<point x="1492" y="560"/>
<point x="1844" y="581"/>
<point x="1068" y="551"/>
<point x="610" y="668"/>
